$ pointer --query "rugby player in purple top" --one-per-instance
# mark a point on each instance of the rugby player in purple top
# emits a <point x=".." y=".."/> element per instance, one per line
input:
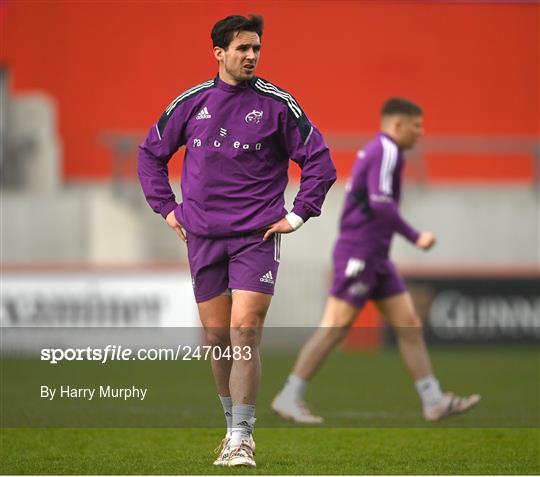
<point x="362" y="271"/>
<point x="239" y="132"/>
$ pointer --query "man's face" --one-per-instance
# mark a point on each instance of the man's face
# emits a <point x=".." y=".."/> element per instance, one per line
<point x="239" y="61"/>
<point x="409" y="129"/>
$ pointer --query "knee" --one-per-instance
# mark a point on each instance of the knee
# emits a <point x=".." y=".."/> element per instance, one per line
<point x="246" y="332"/>
<point x="409" y="324"/>
<point x="337" y="333"/>
<point x="335" y="328"/>
<point x="339" y="315"/>
<point x="336" y="322"/>
<point x="218" y="337"/>
<point x="248" y="321"/>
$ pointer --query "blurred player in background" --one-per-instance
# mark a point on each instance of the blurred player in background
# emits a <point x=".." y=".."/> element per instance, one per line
<point x="362" y="270"/>
<point x="239" y="131"/>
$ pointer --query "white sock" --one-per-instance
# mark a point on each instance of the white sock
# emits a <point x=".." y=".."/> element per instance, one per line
<point x="294" y="388"/>
<point x="226" y="402"/>
<point x="429" y="390"/>
<point x="243" y="421"/>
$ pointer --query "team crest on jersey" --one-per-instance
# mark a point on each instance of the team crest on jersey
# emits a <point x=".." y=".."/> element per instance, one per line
<point x="254" y="117"/>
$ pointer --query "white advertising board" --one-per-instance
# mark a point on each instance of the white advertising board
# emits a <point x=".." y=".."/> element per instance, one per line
<point x="111" y="302"/>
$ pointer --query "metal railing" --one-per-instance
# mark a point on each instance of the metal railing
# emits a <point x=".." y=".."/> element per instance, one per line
<point x="124" y="145"/>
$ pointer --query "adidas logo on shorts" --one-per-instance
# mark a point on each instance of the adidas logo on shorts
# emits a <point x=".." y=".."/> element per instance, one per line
<point x="267" y="278"/>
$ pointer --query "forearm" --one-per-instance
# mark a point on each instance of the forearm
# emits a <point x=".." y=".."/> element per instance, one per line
<point x="318" y="175"/>
<point x="387" y="211"/>
<point x="154" y="178"/>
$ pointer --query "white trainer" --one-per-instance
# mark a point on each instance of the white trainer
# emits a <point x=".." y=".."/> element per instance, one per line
<point x="450" y="405"/>
<point x="296" y="411"/>
<point x="242" y="455"/>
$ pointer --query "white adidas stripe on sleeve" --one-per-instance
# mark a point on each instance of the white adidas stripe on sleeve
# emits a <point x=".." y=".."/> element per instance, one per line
<point x="188" y="92"/>
<point x="295" y="109"/>
<point x="388" y="165"/>
<point x="285" y="94"/>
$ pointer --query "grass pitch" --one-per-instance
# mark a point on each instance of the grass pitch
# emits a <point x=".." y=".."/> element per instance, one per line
<point x="373" y="420"/>
<point x="280" y="451"/>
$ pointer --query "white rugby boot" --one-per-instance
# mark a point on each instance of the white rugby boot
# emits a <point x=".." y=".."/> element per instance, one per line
<point x="450" y="405"/>
<point x="222" y="451"/>
<point x="296" y="411"/>
<point x="241" y="455"/>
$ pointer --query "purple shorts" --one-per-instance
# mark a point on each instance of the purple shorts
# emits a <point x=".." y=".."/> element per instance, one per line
<point x="237" y="263"/>
<point x="358" y="279"/>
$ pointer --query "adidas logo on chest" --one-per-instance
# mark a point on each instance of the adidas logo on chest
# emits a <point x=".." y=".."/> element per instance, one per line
<point x="203" y="114"/>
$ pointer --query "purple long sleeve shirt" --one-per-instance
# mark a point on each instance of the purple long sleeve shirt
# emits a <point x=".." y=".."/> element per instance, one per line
<point x="371" y="211"/>
<point x="238" y="143"/>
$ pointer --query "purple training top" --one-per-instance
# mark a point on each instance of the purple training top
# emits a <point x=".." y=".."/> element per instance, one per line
<point x="238" y="143"/>
<point x="371" y="211"/>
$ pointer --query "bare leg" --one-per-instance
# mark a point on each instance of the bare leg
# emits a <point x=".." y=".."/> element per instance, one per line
<point x="399" y="311"/>
<point x="337" y="320"/>
<point x="247" y="319"/>
<point x="215" y="315"/>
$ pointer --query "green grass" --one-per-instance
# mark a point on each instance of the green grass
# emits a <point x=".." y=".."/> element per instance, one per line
<point x="280" y="451"/>
<point x="373" y="418"/>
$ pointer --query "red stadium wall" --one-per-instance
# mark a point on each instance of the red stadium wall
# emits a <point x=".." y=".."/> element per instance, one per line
<point x="116" y="65"/>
